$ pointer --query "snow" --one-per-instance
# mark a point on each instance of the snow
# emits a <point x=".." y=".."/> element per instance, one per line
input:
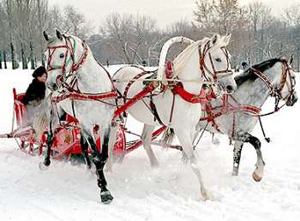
<point x="170" y="192"/>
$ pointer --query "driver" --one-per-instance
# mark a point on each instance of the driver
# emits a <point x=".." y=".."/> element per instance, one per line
<point x="35" y="93"/>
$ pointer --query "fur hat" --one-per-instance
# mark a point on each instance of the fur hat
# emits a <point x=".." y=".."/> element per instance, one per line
<point x="39" y="72"/>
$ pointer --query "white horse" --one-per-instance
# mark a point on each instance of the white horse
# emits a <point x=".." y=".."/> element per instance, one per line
<point x="204" y="61"/>
<point x="237" y="114"/>
<point x="80" y="87"/>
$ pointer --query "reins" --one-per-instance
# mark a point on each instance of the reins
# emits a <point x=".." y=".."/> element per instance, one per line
<point x="69" y="91"/>
<point x="253" y="111"/>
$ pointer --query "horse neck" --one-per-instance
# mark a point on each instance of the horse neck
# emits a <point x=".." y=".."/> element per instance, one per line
<point x="92" y="77"/>
<point x="257" y="92"/>
<point x="191" y="71"/>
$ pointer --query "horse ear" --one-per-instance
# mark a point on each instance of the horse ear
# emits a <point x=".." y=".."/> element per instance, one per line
<point x="291" y="59"/>
<point x="215" y="39"/>
<point x="46" y="36"/>
<point x="59" y="35"/>
<point x="227" y="39"/>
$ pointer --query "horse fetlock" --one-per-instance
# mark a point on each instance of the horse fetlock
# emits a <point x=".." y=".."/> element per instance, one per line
<point x="204" y="193"/>
<point x="242" y="136"/>
<point x="235" y="170"/>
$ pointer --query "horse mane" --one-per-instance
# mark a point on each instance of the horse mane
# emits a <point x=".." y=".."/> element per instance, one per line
<point x="181" y="60"/>
<point x="249" y="75"/>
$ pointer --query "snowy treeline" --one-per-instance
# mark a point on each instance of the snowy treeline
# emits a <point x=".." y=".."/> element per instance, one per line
<point x="257" y="34"/>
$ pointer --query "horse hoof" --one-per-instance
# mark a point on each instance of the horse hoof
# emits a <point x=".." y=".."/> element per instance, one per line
<point x="106" y="197"/>
<point x="234" y="173"/>
<point x="216" y="141"/>
<point x="256" y="177"/>
<point x="43" y="167"/>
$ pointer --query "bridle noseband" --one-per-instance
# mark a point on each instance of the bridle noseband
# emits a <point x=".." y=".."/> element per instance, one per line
<point x="276" y="91"/>
<point x="217" y="74"/>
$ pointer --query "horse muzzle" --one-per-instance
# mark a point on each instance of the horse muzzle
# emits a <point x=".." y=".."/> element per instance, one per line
<point x="293" y="98"/>
<point x="230" y="89"/>
<point x="52" y="86"/>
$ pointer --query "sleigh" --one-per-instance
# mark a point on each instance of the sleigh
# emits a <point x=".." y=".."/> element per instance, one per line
<point x="66" y="136"/>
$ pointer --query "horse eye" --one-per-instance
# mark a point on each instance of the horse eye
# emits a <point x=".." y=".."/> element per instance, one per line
<point x="218" y="59"/>
<point x="61" y="55"/>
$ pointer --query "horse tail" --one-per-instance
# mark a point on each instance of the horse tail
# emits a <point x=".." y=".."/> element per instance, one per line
<point x="168" y="136"/>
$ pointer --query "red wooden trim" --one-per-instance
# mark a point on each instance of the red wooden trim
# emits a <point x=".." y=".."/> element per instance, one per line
<point x="139" y="142"/>
<point x="135" y="99"/>
<point x="191" y="98"/>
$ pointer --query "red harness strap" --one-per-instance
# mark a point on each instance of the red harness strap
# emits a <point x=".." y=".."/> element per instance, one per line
<point x="191" y="98"/>
<point x="136" y="98"/>
<point x="132" y="81"/>
<point x="178" y="88"/>
<point x="85" y="96"/>
<point x="227" y="108"/>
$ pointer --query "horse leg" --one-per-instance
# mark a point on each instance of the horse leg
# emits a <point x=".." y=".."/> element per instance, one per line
<point x="214" y="139"/>
<point x="237" y="152"/>
<point x="184" y="137"/>
<point x="146" y="138"/>
<point x="99" y="160"/>
<point x="260" y="164"/>
<point x="84" y="147"/>
<point x="50" y="139"/>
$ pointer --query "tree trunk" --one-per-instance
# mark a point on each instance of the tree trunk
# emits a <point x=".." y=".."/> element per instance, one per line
<point x="0" y="60"/>
<point x="23" y="57"/>
<point x="4" y="59"/>
<point x="31" y="57"/>
<point x="13" y="59"/>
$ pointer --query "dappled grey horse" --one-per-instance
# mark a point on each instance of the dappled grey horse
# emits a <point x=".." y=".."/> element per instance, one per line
<point x="237" y="114"/>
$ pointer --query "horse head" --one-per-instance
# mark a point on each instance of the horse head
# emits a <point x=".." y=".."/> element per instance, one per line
<point x="64" y="55"/>
<point x="286" y="83"/>
<point x="215" y="62"/>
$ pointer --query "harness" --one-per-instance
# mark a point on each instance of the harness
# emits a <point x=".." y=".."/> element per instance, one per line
<point x="234" y="106"/>
<point x="68" y="80"/>
<point x="177" y="87"/>
<point x="215" y="73"/>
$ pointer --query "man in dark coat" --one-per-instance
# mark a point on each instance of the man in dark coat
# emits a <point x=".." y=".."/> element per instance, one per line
<point x="36" y="90"/>
<point x="35" y="93"/>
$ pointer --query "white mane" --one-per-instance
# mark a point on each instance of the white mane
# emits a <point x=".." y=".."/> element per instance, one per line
<point x="181" y="60"/>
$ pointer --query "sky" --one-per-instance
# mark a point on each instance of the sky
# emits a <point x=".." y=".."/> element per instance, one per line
<point x="165" y="12"/>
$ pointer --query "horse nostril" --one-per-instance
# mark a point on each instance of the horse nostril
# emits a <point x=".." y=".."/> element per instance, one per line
<point x="229" y="89"/>
<point x="54" y="86"/>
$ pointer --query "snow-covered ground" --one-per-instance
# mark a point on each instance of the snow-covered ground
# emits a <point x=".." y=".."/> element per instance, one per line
<point x="69" y="192"/>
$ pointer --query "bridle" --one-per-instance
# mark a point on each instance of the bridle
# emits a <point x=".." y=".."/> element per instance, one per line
<point x="70" y="50"/>
<point x="217" y="74"/>
<point x="276" y="90"/>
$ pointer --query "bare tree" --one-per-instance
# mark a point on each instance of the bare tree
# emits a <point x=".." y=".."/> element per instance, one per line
<point x="292" y="17"/>
<point x="129" y="36"/>
<point x="75" y="22"/>
<point x="222" y="16"/>
<point x="55" y="19"/>
<point x="41" y="20"/>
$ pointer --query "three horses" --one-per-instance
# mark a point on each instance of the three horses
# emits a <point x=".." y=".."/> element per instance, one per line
<point x="83" y="88"/>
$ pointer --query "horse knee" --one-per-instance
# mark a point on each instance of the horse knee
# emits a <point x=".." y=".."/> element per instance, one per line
<point x="255" y="142"/>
